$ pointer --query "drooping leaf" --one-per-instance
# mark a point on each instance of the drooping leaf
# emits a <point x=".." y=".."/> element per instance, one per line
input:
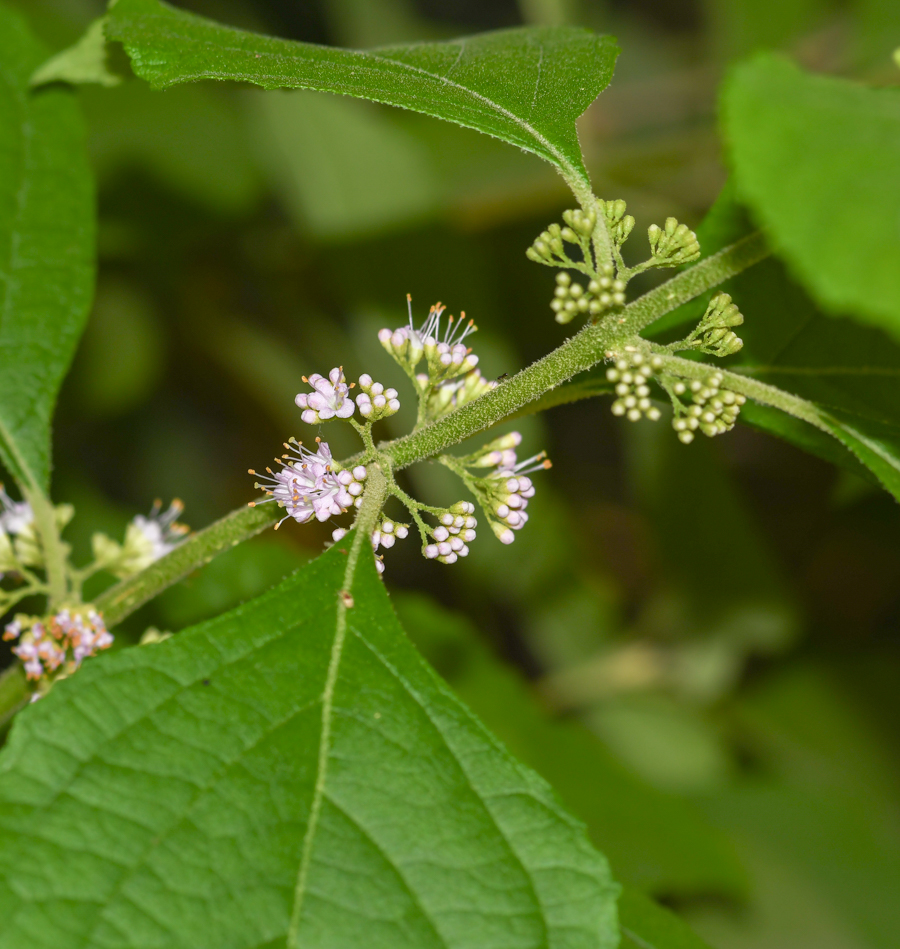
<point x="647" y="925"/>
<point x="816" y="160"/>
<point x="653" y="840"/>
<point x="525" y="86"/>
<point x="290" y="773"/>
<point x="46" y="250"/>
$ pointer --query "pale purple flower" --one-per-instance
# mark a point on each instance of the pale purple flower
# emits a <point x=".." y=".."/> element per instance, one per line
<point x="160" y="533"/>
<point x="308" y="487"/>
<point x="15" y="516"/>
<point x="331" y="398"/>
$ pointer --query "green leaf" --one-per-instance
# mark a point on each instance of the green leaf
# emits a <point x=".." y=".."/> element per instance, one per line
<point x="525" y="86"/>
<point x="816" y="160"/>
<point x="646" y="925"/>
<point x="84" y="62"/>
<point x="46" y="250"/>
<point x="290" y="773"/>
<point x="654" y="840"/>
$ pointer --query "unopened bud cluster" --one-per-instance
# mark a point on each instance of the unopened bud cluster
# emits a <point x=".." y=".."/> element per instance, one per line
<point x="619" y="223"/>
<point x="713" y="333"/>
<point x="631" y="374"/>
<point x="601" y="293"/>
<point x="374" y="401"/>
<point x="714" y="409"/>
<point x="453" y="534"/>
<point x="549" y="246"/>
<point x="672" y="244"/>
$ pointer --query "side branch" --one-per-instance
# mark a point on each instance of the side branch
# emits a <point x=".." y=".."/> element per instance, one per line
<point x="581" y="352"/>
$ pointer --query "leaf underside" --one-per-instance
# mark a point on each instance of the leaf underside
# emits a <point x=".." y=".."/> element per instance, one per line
<point x="46" y="250"/>
<point x="163" y="797"/>
<point x="525" y="86"/>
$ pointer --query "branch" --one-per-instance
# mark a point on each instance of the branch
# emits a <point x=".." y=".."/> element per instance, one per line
<point x="581" y="352"/>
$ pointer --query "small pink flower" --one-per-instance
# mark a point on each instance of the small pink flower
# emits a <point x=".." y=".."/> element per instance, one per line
<point x="331" y="398"/>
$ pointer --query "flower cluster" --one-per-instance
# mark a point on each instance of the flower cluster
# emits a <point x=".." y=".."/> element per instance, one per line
<point x="505" y="492"/>
<point x="15" y="516"/>
<point x="672" y="244"/>
<point x="631" y="374"/>
<point x="714" y="409"/>
<point x="308" y="486"/>
<point x="20" y="545"/>
<point x="452" y="376"/>
<point x="57" y="646"/>
<point x="146" y="540"/>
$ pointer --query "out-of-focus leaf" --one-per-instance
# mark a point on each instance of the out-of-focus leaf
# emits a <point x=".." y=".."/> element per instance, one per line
<point x="121" y="355"/>
<point x="653" y="840"/>
<point x="740" y="599"/>
<point x="816" y="160"/>
<point x="646" y="925"/>
<point x="738" y="27"/>
<point x="291" y="773"/>
<point x="819" y="820"/>
<point x="343" y="168"/>
<point x="85" y="62"/>
<point x="525" y="86"/>
<point x="46" y="250"/>
<point x="195" y="140"/>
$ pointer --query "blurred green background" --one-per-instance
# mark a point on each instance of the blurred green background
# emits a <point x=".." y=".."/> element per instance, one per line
<point x="722" y="711"/>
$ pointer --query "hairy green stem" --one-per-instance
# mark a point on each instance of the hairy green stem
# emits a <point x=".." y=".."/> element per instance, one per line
<point x="690" y="283"/>
<point x="125" y="597"/>
<point x="752" y="388"/>
<point x="581" y="352"/>
<point x="51" y="546"/>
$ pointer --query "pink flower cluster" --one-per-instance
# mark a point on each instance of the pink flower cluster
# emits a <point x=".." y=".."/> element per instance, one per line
<point x="63" y="640"/>
<point x="308" y="487"/>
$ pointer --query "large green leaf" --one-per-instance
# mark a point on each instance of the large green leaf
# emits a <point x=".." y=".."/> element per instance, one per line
<point x="289" y="774"/>
<point x="818" y="161"/>
<point x="525" y="86"/>
<point x="46" y="250"/>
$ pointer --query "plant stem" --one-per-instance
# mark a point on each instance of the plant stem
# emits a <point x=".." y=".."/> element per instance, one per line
<point x="691" y="283"/>
<point x="752" y="388"/>
<point x="125" y="597"/>
<point x="51" y="547"/>
<point x="581" y="352"/>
